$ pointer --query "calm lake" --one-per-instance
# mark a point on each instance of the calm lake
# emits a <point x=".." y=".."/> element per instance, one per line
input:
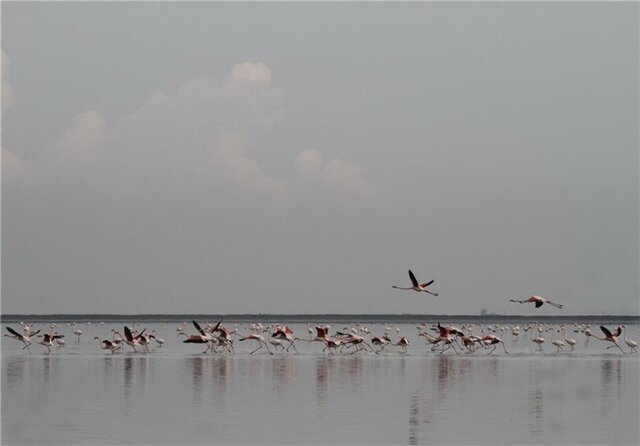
<point x="175" y="394"/>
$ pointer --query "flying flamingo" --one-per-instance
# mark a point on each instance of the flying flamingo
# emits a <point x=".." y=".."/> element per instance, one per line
<point x="417" y="286"/>
<point x="610" y="337"/>
<point x="633" y="345"/>
<point x="24" y="338"/>
<point x="537" y="300"/>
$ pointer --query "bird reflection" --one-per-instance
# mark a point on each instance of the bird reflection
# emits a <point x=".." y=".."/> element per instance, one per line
<point x="536" y="406"/>
<point x="135" y="374"/>
<point x="611" y="376"/>
<point x="195" y="365"/>
<point x="322" y="379"/>
<point x="282" y="371"/>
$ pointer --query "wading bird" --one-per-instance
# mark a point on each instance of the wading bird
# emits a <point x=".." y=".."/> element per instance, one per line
<point x="106" y="344"/>
<point x="633" y="345"/>
<point x="48" y="338"/>
<point x="24" y="338"/>
<point x="260" y="339"/>
<point x="415" y="286"/>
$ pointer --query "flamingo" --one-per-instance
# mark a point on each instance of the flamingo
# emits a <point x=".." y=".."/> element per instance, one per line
<point x="48" y="338"/>
<point x="538" y="340"/>
<point x="557" y="342"/>
<point x="24" y="338"/>
<point x="359" y="342"/>
<point x="202" y="338"/>
<point x="109" y="345"/>
<point x="610" y="337"/>
<point x="445" y="338"/>
<point x="380" y="341"/>
<point x="537" y="300"/>
<point x="633" y="345"/>
<point x="130" y="339"/>
<point x="159" y="341"/>
<point x="403" y="342"/>
<point x="260" y="339"/>
<point x="285" y="334"/>
<point x="78" y="333"/>
<point x="415" y="286"/>
<point x="493" y="340"/>
<point x="572" y="342"/>
<point x="332" y="344"/>
<point x="322" y="335"/>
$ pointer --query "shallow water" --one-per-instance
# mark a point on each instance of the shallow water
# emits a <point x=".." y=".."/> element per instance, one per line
<point x="175" y="394"/>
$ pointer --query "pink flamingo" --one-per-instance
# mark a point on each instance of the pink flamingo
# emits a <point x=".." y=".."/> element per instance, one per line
<point x="537" y="300"/>
<point x="415" y="286"/>
<point x="610" y="337"/>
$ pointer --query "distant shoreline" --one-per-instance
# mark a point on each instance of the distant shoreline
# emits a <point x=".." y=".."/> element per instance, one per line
<point x="315" y="318"/>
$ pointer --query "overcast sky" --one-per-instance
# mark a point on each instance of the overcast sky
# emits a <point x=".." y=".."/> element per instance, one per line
<point x="301" y="157"/>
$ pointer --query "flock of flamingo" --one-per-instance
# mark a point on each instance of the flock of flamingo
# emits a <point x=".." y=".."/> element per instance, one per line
<point x="351" y="339"/>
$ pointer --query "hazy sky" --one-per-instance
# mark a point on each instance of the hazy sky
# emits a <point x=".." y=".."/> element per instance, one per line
<point x="300" y="157"/>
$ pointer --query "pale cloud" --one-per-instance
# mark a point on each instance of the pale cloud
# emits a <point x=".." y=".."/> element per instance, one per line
<point x="8" y="94"/>
<point x="257" y="73"/>
<point x="84" y="136"/>
<point x="13" y="168"/>
<point x="230" y="165"/>
<point x="337" y="177"/>
<point x="200" y="138"/>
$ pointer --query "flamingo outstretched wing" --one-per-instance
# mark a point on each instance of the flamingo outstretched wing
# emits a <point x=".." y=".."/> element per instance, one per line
<point x="424" y="285"/>
<point x="197" y="325"/>
<point x="414" y="281"/>
<point x="13" y="332"/>
<point x="127" y="334"/>
<point x="606" y="331"/>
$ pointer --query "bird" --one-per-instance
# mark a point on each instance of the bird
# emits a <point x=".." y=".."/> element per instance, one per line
<point x="202" y="338"/>
<point x="415" y="286"/>
<point x="106" y="344"/>
<point x="380" y="341"/>
<point x="403" y="342"/>
<point x="360" y="343"/>
<point x="130" y="339"/>
<point x="538" y="340"/>
<point x="539" y="301"/>
<point x="285" y="334"/>
<point x="572" y="342"/>
<point x="159" y="341"/>
<point x="24" y="338"/>
<point x="557" y="342"/>
<point x="633" y="345"/>
<point x="78" y="333"/>
<point x="610" y="337"/>
<point x="48" y="338"/>
<point x="493" y="340"/>
<point x="261" y="342"/>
